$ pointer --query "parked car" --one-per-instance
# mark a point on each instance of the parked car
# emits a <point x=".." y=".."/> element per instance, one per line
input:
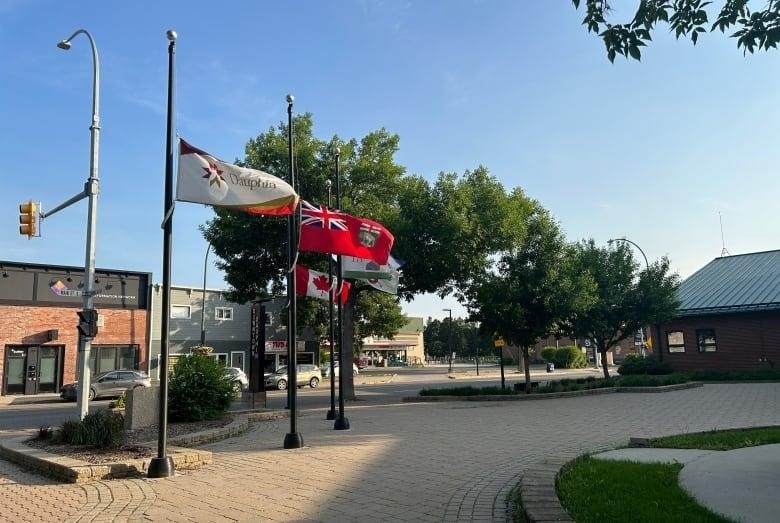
<point x="238" y="378"/>
<point x="110" y="384"/>
<point x="306" y="375"/>
<point x="326" y="370"/>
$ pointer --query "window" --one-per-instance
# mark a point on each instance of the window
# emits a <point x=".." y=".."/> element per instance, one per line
<point x="220" y="357"/>
<point x="675" y="341"/>
<point x="237" y="359"/>
<point x="706" y="340"/>
<point x="223" y="313"/>
<point x="180" y="312"/>
<point x="268" y="319"/>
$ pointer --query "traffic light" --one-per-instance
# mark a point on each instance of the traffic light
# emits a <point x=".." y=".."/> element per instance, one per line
<point x="88" y="323"/>
<point x="28" y="219"/>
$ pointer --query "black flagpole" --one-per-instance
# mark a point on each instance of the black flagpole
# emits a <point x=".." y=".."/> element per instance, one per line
<point x="293" y="440"/>
<point x="331" y="415"/>
<point x="342" y="423"/>
<point x="162" y="465"/>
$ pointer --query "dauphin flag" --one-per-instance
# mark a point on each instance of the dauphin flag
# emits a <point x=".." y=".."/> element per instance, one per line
<point x="332" y="231"/>
<point x="205" y="179"/>
<point x="315" y="284"/>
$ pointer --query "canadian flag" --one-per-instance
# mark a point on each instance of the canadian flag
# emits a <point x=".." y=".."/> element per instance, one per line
<point x="315" y="284"/>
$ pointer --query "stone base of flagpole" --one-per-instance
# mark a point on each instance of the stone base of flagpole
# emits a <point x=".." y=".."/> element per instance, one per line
<point x="342" y="423"/>
<point x="293" y="440"/>
<point x="330" y="416"/>
<point x="160" y="467"/>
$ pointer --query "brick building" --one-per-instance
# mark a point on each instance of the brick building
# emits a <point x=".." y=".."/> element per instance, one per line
<point x="38" y="336"/>
<point x="729" y="316"/>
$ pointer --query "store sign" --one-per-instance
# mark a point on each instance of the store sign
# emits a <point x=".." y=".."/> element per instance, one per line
<point x="274" y="346"/>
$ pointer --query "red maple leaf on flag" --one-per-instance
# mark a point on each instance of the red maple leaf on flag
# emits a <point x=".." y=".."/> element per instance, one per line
<point x="321" y="283"/>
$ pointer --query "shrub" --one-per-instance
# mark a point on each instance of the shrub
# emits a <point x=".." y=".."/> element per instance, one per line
<point x="103" y="429"/>
<point x="735" y="375"/>
<point x="119" y="403"/>
<point x="635" y="364"/>
<point x="568" y="357"/>
<point x="466" y="391"/>
<point x="198" y="389"/>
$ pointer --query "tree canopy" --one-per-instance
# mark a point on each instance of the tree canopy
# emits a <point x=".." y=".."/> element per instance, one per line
<point x="755" y="29"/>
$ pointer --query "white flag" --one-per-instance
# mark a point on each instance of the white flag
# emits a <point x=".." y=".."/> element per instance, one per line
<point x="205" y="179"/>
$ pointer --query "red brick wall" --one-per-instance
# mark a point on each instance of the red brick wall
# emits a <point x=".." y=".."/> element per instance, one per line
<point x="741" y="340"/>
<point x="24" y="325"/>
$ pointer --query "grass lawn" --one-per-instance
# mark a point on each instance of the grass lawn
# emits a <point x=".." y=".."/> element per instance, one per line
<point x="601" y="491"/>
<point x="721" y="439"/>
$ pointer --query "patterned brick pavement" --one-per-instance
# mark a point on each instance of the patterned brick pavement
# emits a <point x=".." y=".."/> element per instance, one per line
<point x="408" y="462"/>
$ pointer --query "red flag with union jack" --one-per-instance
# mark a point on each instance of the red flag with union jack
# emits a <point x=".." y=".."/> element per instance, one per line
<point x="335" y="232"/>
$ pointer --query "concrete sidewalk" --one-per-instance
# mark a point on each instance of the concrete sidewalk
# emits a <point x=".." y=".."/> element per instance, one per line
<point x="399" y="462"/>
<point x="741" y="484"/>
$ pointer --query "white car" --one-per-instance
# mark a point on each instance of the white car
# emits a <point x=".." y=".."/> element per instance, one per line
<point x="238" y="378"/>
<point x="326" y="370"/>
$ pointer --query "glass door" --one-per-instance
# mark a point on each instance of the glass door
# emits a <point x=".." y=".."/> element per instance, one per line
<point x="15" y="363"/>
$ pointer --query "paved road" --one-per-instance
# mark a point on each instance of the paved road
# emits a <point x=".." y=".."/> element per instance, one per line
<point x="399" y="462"/>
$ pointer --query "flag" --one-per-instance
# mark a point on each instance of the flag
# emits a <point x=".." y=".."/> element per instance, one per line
<point x="389" y="284"/>
<point x="332" y="231"/>
<point x="362" y="269"/>
<point x="315" y="284"/>
<point x="205" y="179"/>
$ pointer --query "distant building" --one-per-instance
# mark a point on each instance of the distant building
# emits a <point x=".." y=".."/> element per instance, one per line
<point x="407" y="346"/>
<point x="729" y="316"/>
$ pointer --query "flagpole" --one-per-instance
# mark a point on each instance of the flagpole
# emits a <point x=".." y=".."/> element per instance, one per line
<point x="292" y="440"/>
<point x="162" y="465"/>
<point x="331" y="415"/>
<point x="342" y="423"/>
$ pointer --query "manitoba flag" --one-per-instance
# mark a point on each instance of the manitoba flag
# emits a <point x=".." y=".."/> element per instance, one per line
<point x="332" y="231"/>
<point x="315" y="284"/>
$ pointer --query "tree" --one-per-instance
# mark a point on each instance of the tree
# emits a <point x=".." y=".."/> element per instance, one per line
<point x="467" y="341"/>
<point x="759" y="29"/>
<point x="534" y="290"/>
<point x="628" y="299"/>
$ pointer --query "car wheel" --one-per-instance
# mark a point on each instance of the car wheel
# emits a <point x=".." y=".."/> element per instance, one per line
<point x="281" y="384"/>
<point x="314" y="382"/>
<point x="138" y="387"/>
<point x="91" y="394"/>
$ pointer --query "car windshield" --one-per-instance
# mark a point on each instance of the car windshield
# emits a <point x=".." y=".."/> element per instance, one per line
<point x="281" y="370"/>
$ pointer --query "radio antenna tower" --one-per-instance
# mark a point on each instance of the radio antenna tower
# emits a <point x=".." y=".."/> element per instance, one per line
<point x="723" y="251"/>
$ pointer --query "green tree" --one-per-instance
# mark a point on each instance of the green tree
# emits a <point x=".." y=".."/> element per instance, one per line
<point x="628" y="298"/>
<point x="534" y="289"/>
<point x="467" y="341"/>
<point x="757" y="29"/>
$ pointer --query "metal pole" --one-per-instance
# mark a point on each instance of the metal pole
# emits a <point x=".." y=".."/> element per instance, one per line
<point x="162" y="466"/>
<point x="331" y="415"/>
<point x="449" y="339"/>
<point x="292" y="440"/>
<point x="647" y="267"/>
<point x="91" y="189"/>
<point x="342" y="423"/>
<point x="203" y="303"/>
<point x="501" y="359"/>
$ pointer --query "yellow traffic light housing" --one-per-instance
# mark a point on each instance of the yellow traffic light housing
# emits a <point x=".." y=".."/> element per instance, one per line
<point x="28" y="219"/>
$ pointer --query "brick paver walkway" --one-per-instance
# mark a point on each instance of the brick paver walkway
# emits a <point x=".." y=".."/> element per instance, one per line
<point x="411" y="462"/>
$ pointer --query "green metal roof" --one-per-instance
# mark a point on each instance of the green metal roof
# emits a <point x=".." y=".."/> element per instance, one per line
<point x="745" y="282"/>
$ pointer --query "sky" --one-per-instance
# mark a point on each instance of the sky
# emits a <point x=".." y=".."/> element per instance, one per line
<point x="660" y="151"/>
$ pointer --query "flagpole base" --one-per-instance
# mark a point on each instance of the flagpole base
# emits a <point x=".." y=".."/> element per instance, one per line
<point x="331" y="415"/>
<point x="342" y="423"/>
<point x="160" y="468"/>
<point x="293" y="440"/>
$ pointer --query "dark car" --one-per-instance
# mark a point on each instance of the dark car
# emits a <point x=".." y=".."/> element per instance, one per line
<point x="108" y="384"/>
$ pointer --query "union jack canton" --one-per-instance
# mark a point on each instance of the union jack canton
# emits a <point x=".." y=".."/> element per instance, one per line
<point x="321" y="217"/>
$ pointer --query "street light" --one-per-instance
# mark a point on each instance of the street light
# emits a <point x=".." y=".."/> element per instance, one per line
<point x="449" y="340"/>
<point x="91" y="190"/>
<point x="647" y="267"/>
<point x="203" y="303"/>
<point x="331" y="414"/>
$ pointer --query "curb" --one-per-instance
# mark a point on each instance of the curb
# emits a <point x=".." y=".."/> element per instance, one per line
<point x="72" y="470"/>
<point x="552" y="395"/>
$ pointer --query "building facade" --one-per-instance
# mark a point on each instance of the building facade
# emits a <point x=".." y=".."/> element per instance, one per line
<point x="38" y="324"/>
<point x="406" y="346"/>
<point x="729" y="316"/>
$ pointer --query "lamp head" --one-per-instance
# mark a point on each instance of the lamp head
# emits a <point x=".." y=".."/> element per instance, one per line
<point x="64" y="44"/>
<point x="290" y="98"/>
<point x="171" y="35"/>
<point x="328" y="183"/>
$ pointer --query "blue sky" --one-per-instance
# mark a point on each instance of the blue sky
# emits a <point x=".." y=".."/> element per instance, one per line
<point x="653" y="151"/>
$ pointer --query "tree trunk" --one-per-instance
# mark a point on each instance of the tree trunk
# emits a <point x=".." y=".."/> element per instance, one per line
<point x="527" y="369"/>
<point x="604" y="365"/>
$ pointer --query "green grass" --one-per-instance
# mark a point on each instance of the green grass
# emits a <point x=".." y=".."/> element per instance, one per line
<point x="721" y="440"/>
<point x="601" y="491"/>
